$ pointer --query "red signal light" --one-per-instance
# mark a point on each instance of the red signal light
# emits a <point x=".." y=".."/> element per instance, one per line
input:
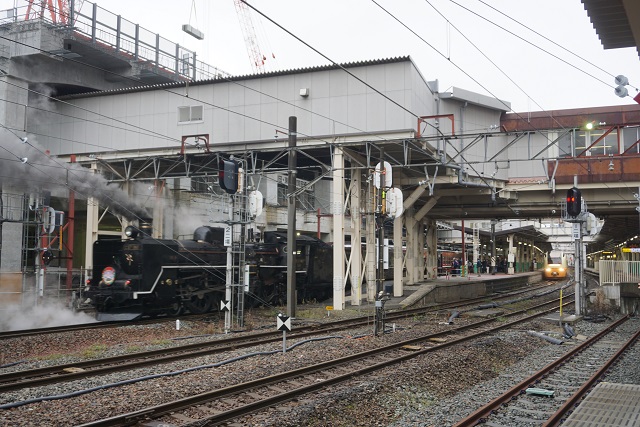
<point x="574" y="202"/>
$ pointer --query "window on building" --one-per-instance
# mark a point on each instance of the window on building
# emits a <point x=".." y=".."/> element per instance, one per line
<point x="190" y="114"/>
<point x="564" y="144"/>
<point x="605" y="146"/>
<point x="631" y="135"/>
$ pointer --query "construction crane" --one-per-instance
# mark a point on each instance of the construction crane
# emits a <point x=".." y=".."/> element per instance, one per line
<point x="257" y="58"/>
<point x="60" y="13"/>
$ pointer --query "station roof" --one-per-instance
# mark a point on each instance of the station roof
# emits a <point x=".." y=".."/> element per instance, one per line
<point x="617" y="22"/>
<point x="527" y="232"/>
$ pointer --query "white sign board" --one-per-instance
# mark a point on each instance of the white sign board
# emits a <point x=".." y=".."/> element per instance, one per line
<point x="283" y="323"/>
<point x="228" y="236"/>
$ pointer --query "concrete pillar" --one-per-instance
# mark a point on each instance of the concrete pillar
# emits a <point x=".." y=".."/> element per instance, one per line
<point x="432" y="252"/>
<point x="371" y="248"/>
<point x="13" y="111"/>
<point x="511" y="255"/>
<point x="337" y="192"/>
<point x="158" y="210"/>
<point x="412" y="242"/>
<point x="417" y="251"/>
<point x="11" y="239"/>
<point x="13" y="115"/>
<point x="398" y="259"/>
<point x="92" y="231"/>
<point x="356" y="238"/>
<point x="92" y="226"/>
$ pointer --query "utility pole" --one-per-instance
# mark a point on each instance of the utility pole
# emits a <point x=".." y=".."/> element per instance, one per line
<point x="381" y="297"/>
<point x="381" y="201"/>
<point x="1" y="222"/>
<point x="291" y="219"/>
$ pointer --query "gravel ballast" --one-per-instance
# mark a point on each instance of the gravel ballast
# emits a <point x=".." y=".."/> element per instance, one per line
<point x="437" y="389"/>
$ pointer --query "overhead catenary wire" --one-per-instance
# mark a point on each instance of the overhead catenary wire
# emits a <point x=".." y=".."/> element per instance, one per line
<point x="482" y="178"/>
<point x="462" y="70"/>
<point x="549" y="40"/>
<point x="379" y="92"/>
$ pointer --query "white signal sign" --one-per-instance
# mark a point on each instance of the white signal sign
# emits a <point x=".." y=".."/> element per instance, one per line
<point x="388" y="175"/>
<point x="284" y="323"/>
<point x="225" y="305"/>
<point x="228" y="236"/>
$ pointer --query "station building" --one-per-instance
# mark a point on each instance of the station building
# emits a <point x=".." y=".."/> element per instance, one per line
<point x="145" y="142"/>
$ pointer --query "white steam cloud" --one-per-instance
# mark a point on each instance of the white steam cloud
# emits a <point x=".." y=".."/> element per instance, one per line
<point x="15" y="317"/>
<point x="26" y="165"/>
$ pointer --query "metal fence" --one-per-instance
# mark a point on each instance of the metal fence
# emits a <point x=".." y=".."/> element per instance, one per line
<point x="615" y="272"/>
<point x="112" y="33"/>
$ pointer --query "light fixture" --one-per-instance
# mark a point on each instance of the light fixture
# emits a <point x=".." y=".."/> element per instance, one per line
<point x="304" y="92"/>
<point x="611" y="165"/>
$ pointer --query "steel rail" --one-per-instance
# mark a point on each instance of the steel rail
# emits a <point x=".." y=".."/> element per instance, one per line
<point x="115" y="323"/>
<point x="555" y="419"/>
<point x="35" y="377"/>
<point x="481" y="413"/>
<point x="181" y="404"/>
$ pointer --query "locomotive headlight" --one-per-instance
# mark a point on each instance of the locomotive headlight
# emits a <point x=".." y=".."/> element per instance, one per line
<point x="548" y="270"/>
<point x="109" y="275"/>
<point x="169" y="282"/>
<point x="131" y="232"/>
<point x="561" y="269"/>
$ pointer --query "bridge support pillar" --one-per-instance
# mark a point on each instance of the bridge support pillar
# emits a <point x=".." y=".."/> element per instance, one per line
<point x="511" y="255"/>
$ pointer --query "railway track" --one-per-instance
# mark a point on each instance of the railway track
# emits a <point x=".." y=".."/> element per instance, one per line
<point x="72" y="371"/>
<point x="113" y="324"/>
<point x="223" y="405"/>
<point x="548" y="395"/>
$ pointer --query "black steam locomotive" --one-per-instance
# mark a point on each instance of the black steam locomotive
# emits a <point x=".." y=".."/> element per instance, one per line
<point x="146" y="276"/>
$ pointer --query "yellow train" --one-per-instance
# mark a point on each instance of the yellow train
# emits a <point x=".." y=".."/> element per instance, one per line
<point x="556" y="266"/>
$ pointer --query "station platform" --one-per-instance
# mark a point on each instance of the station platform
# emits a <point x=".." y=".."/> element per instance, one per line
<point x="608" y="405"/>
<point x="446" y="289"/>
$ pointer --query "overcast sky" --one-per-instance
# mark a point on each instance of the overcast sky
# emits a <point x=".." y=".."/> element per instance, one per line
<point x="500" y="64"/>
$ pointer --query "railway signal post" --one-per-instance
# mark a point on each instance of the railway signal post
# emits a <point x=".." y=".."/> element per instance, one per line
<point x="575" y="214"/>
<point x="382" y="185"/>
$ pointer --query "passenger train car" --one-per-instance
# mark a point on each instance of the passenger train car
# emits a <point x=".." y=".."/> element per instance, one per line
<point x="556" y="265"/>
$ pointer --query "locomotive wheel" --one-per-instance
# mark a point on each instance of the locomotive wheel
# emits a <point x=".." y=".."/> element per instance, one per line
<point x="273" y="296"/>
<point x="199" y="305"/>
<point x="175" y="309"/>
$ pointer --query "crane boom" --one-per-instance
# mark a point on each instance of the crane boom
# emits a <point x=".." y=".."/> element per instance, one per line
<point x="60" y="13"/>
<point x="248" y="31"/>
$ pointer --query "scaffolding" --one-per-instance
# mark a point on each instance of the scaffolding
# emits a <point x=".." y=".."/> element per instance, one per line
<point x="27" y="281"/>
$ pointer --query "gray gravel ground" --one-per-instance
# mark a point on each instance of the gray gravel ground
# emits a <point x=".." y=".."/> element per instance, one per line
<point x="433" y="390"/>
